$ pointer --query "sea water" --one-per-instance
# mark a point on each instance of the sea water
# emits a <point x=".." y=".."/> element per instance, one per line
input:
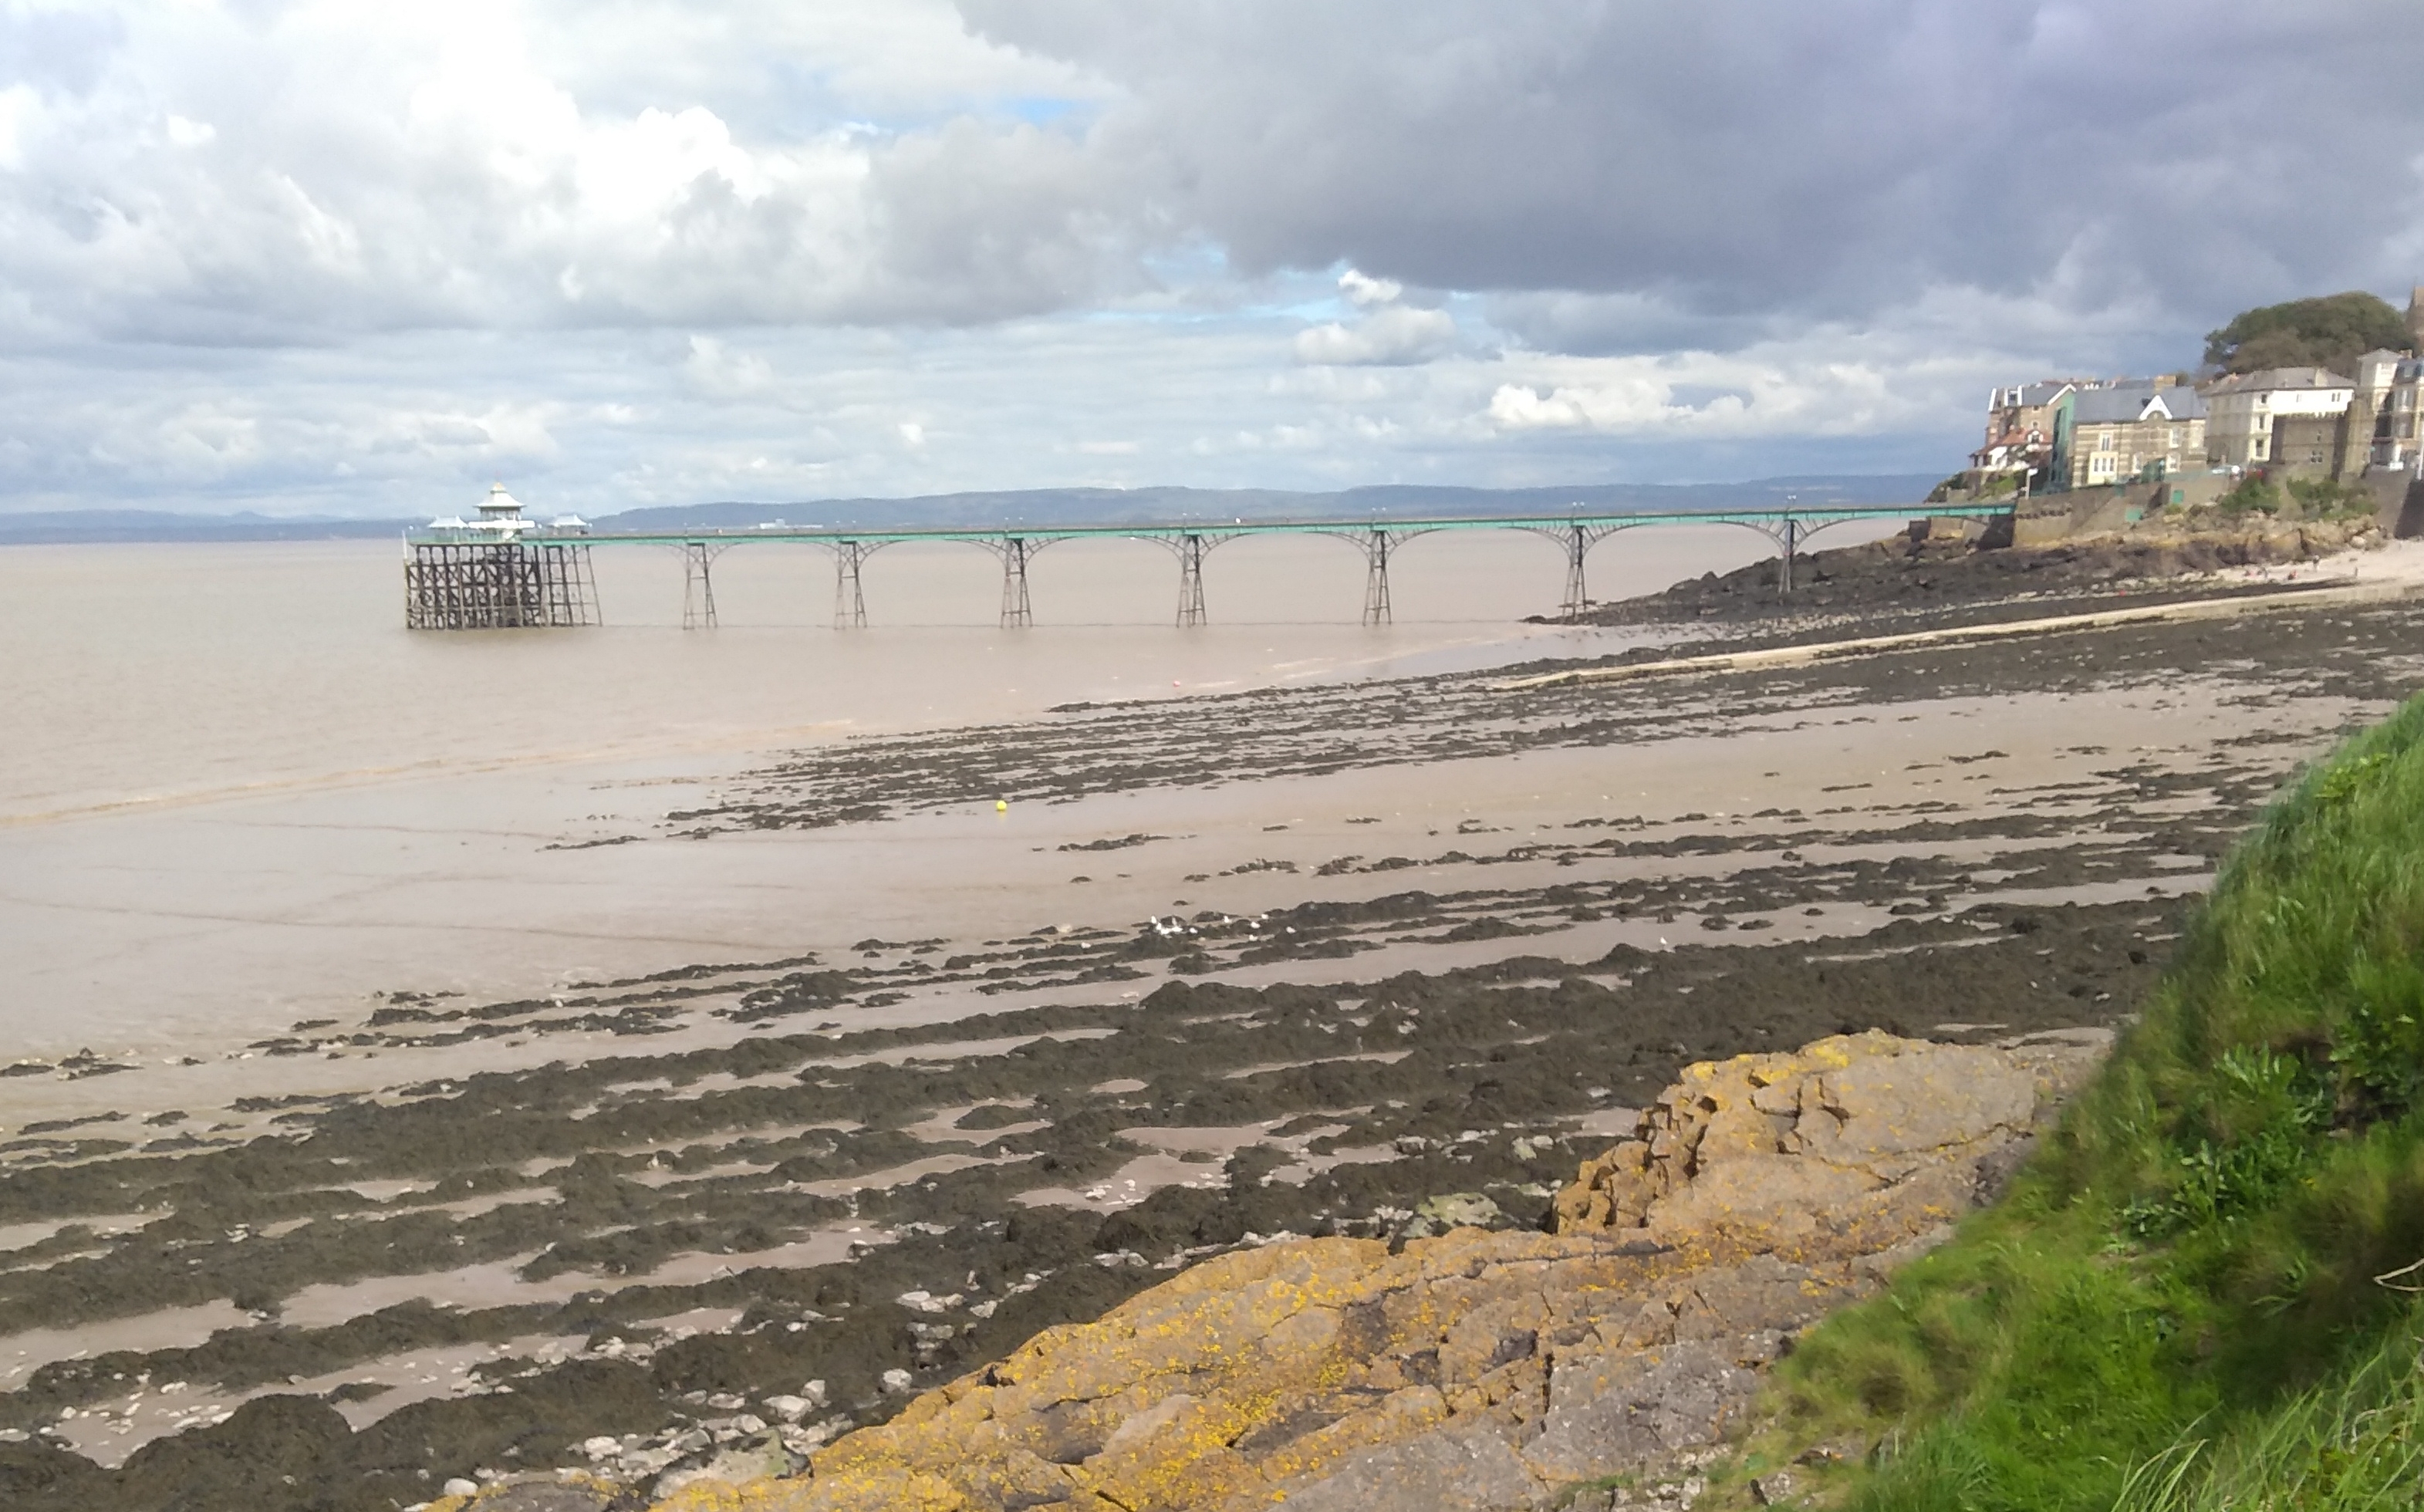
<point x="234" y="791"/>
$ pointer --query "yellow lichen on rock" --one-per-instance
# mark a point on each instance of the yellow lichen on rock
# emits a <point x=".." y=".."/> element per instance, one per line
<point x="1478" y="1369"/>
<point x="765" y="1495"/>
<point x="1861" y="1141"/>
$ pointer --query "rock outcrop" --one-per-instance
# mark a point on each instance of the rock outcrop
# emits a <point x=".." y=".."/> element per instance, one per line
<point x="1481" y="1369"/>
<point x="1855" y="1144"/>
<point x="2082" y="555"/>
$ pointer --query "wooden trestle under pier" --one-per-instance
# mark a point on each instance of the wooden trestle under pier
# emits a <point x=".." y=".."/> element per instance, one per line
<point x="498" y="586"/>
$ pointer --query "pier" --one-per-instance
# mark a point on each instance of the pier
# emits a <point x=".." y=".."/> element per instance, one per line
<point x="505" y="571"/>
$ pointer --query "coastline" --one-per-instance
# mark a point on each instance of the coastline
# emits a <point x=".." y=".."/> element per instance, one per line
<point x="1451" y="854"/>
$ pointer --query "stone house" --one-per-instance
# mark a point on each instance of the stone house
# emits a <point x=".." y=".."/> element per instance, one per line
<point x="2384" y="418"/>
<point x="2123" y="432"/>
<point x="2308" y="446"/>
<point x="2019" y="431"/>
<point x="2241" y="410"/>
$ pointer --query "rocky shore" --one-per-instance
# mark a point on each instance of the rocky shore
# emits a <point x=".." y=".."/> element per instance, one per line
<point x="1342" y="988"/>
<point x="1920" y="580"/>
<point x="1479" y="1370"/>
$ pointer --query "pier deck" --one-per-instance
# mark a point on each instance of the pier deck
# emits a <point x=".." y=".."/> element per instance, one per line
<point x="1189" y="540"/>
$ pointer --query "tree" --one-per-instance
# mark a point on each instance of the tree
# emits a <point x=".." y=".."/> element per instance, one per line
<point x="2331" y="332"/>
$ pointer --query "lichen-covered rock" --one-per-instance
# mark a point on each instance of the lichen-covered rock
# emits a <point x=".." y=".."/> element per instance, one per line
<point x="1478" y="1369"/>
<point x="1863" y="1141"/>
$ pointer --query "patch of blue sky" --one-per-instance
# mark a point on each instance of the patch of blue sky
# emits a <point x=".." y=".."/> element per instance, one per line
<point x="1194" y="284"/>
<point x="1200" y="316"/>
<point x="1191" y="264"/>
<point x="1044" y="110"/>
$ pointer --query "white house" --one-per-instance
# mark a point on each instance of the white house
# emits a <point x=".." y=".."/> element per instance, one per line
<point x="2241" y="409"/>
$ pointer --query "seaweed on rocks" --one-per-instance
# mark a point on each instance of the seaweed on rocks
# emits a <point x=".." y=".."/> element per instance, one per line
<point x="2323" y="651"/>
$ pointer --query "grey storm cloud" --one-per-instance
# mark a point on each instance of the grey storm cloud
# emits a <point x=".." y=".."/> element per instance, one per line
<point x="1736" y="159"/>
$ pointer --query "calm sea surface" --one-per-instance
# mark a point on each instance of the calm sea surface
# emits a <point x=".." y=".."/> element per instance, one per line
<point x="136" y="673"/>
<point x="235" y="791"/>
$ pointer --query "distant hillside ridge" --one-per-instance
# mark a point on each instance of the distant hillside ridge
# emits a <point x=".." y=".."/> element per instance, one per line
<point x="1015" y="507"/>
<point x="1122" y="506"/>
<point x="54" y="527"/>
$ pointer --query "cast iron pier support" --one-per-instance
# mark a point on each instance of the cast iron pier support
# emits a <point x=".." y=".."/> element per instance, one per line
<point x="1190" y="580"/>
<point x="698" y="585"/>
<point x="850" y="598"/>
<point x="1576" y="540"/>
<point x="1016" y="612"/>
<point x="1375" y="579"/>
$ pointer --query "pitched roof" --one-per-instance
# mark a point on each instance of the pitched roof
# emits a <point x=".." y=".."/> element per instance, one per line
<point x="2283" y="379"/>
<point x="2122" y="403"/>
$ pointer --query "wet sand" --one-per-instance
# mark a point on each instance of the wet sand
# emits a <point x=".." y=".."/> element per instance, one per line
<point x="1286" y="960"/>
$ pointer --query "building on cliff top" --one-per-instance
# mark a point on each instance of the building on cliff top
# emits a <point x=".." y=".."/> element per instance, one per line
<point x="2311" y="422"/>
<point x="2243" y="407"/>
<point x="2136" y="429"/>
<point x="2020" y="434"/>
<point x="2383" y="428"/>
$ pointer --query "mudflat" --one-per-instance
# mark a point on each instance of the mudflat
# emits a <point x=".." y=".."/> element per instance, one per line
<point x="1352" y="960"/>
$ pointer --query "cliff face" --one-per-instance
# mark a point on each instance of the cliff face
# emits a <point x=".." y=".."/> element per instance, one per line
<point x="1478" y="1369"/>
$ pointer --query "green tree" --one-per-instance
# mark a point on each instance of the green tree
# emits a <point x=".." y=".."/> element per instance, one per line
<point x="2255" y="494"/>
<point x="2331" y="332"/>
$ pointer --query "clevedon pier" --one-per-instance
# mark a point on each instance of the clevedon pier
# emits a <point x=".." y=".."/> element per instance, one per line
<point x="504" y="570"/>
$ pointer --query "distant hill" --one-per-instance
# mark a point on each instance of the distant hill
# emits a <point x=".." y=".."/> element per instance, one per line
<point x="53" y="526"/>
<point x="1029" y="506"/>
<point x="1120" y="506"/>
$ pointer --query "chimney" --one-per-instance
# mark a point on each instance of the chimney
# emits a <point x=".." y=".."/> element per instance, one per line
<point x="2415" y="319"/>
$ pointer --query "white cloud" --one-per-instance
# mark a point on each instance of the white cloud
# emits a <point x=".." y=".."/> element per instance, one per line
<point x="19" y="107"/>
<point x="454" y="164"/>
<point x="714" y="369"/>
<point x="1386" y="334"/>
<point x="1391" y="336"/>
<point x="1365" y="291"/>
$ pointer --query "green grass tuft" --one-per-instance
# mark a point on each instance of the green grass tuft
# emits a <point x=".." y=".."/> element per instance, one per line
<point x="2183" y="1288"/>
<point x="2356" y="1441"/>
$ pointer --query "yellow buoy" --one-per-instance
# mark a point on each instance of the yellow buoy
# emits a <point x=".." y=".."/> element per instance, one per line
<point x="1001" y="805"/>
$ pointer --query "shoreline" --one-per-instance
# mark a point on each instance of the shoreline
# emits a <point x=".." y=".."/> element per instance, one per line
<point x="2216" y="607"/>
<point x="1376" y="879"/>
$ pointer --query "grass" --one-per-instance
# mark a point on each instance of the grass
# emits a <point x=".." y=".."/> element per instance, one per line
<point x="2180" y="1303"/>
<point x="2307" y="497"/>
<point x="2356" y="1441"/>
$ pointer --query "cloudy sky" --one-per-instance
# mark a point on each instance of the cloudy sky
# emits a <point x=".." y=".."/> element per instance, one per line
<point x="362" y="257"/>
